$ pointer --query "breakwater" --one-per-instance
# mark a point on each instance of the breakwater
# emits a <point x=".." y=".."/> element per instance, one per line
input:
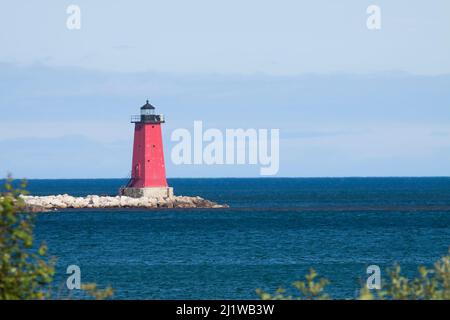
<point x="65" y="201"/>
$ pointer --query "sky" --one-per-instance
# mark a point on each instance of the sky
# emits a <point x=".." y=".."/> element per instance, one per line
<point x="348" y="101"/>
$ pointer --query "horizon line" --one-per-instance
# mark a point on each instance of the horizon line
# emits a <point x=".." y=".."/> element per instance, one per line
<point x="259" y="177"/>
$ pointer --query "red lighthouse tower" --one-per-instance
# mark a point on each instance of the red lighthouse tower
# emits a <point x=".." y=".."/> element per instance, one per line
<point x="148" y="172"/>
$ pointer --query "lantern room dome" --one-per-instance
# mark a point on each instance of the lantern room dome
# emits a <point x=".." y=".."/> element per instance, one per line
<point x="147" y="106"/>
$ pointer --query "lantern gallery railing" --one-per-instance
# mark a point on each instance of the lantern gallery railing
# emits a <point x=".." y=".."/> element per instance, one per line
<point x="152" y="118"/>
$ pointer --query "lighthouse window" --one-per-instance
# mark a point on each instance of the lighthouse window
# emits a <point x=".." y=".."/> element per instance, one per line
<point x="146" y="112"/>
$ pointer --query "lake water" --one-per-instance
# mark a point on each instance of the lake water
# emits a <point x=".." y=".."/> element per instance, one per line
<point x="275" y="230"/>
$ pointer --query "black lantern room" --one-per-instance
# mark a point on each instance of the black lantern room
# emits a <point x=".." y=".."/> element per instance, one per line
<point x="148" y="115"/>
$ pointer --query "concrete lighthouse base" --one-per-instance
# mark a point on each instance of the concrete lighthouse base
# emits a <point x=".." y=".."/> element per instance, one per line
<point x="156" y="192"/>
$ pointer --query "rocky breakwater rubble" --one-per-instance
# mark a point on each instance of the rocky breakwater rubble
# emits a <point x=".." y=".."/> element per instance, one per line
<point x="65" y="201"/>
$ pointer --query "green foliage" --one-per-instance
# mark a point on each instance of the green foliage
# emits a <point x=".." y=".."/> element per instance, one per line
<point x="98" y="294"/>
<point x="25" y="273"/>
<point x="310" y="289"/>
<point x="431" y="284"/>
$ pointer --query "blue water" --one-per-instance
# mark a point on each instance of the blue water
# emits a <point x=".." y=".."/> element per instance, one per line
<point x="275" y="230"/>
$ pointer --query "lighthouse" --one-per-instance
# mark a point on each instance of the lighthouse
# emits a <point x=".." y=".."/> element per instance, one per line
<point x="148" y="171"/>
